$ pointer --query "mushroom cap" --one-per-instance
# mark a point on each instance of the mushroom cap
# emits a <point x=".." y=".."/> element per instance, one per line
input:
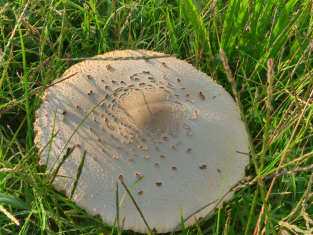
<point x="157" y="118"/>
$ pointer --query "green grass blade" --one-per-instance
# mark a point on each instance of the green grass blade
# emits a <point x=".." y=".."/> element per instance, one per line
<point x="13" y="201"/>
<point x="193" y="18"/>
<point x="172" y="33"/>
<point x="79" y="171"/>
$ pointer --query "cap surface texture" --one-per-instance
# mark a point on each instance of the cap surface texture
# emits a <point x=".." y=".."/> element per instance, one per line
<point x="159" y="119"/>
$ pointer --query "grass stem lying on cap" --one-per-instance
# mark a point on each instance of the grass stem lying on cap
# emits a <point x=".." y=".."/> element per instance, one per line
<point x="136" y="205"/>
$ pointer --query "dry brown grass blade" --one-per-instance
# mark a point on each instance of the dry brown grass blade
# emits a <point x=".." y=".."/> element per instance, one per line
<point x="9" y="215"/>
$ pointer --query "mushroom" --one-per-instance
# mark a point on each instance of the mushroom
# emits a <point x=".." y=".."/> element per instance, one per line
<point x="155" y="124"/>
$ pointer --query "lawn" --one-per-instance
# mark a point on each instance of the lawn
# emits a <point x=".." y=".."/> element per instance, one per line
<point x="260" y="51"/>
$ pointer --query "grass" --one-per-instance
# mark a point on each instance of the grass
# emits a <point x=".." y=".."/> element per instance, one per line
<point x="267" y="66"/>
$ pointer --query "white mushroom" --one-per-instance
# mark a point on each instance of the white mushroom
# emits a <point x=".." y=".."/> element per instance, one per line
<point x="160" y="119"/>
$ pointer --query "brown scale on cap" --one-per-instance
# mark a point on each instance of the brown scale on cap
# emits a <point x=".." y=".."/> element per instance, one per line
<point x="136" y="79"/>
<point x="178" y="80"/>
<point x="189" y="133"/>
<point x="201" y="95"/>
<point x="159" y="184"/>
<point x="162" y="156"/>
<point x="108" y="67"/>
<point x="64" y="112"/>
<point x="194" y="115"/>
<point x="96" y="160"/>
<point x="170" y="85"/>
<point x="165" y="138"/>
<point x="174" y="168"/>
<point x="203" y="167"/>
<point x="157" y="165"/>
<point x="143" y="148"/>
<point x="140" y="193"/>
<point x="137" y="174"/>
<point x="121" y="177"/>
<point x="189" y="150"/>
<point x="89" y="76"/>
<point x="90" y="92"/>
<point x="164" y="64"/>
